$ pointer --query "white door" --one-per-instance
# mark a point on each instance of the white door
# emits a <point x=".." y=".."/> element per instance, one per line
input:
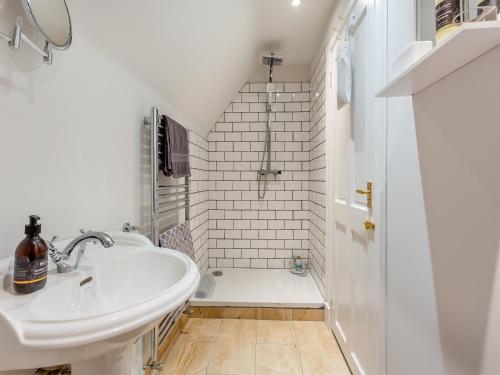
<point x="356" y="251"/>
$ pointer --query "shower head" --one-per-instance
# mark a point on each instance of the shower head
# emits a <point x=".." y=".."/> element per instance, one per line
<point x="272" y="60"/>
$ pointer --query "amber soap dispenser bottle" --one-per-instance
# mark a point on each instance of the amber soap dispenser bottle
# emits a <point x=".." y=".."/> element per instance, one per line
<point x="31" y="262"/>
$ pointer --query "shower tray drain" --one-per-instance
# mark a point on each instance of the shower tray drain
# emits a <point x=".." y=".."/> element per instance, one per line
<point x="217" y="273"/>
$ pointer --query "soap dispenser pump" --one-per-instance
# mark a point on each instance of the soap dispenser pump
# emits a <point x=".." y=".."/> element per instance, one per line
<point x="31" y="262"/>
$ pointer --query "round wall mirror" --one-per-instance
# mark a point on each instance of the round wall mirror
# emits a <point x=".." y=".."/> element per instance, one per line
<point x="52" y="19"/>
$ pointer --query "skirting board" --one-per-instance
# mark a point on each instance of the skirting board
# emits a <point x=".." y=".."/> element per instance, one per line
<point x="259" y="313"/>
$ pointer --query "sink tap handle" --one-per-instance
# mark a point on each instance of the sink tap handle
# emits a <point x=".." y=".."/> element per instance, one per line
<point x="129" y="228"/>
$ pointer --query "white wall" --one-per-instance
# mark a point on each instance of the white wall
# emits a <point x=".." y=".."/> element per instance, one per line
<point x="412" y="330"/>
<point x="283" y="73"/>
<point x="211" y="48"/>
<point x="70" y="139"/>
<point x="336" y="21"/>
<point x="443" y="241"/>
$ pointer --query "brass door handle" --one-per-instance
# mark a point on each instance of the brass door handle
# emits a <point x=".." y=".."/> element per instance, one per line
<point x="368" y="192"/>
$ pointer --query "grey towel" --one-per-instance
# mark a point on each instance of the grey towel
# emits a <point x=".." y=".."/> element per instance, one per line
<point x="176" y="154"/>
<point x="178" y="238"/>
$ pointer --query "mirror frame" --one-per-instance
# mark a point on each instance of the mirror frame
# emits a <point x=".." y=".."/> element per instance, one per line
<point x="39" y="28"/>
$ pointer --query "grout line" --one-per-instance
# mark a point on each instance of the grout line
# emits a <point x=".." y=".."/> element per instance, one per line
<point x="297" y="348"/>
<point x="213" y="347"/>
<point x="255" y="348"/>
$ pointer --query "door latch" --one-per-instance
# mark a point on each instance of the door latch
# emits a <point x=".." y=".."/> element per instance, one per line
<point x="369" y="225"/>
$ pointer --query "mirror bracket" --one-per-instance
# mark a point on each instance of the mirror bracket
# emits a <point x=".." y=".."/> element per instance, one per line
<point x="14" y="41"/>
<point x="49" y="57"/>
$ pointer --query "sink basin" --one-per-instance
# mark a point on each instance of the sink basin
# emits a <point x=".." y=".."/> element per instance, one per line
<point x="94" y="314"/>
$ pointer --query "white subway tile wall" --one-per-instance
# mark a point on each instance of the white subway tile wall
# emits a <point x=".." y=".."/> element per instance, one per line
<point x="243" y="230"/>
<point x="317" y="184"/>
<point x="198" y="198"/>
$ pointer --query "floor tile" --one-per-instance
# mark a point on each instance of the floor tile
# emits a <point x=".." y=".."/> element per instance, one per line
<point x="274" y="359"/>
<point x="233" y="355"/>
<point x="305" y="332"/>
<point x="326" y="334"/>
<point x="318" y="362"/>
<point x="200" y="330"/>
<point x="251" y="347"/>
<point x="239" y="328"/>
<point x="319" y="352"/>
<point x="275" y="332"/>
<point x="188" y="358"/>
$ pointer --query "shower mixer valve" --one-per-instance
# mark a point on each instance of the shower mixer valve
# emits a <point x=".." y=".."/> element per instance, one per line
<point x="264" y="172"/>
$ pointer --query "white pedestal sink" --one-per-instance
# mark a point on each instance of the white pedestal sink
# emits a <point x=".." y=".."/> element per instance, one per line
<point x="91" y="317"/>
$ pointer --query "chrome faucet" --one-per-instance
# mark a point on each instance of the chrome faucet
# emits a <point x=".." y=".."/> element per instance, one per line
<point x="62" y="258"/>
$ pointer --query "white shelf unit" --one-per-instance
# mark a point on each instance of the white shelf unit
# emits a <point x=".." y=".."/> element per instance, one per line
<point x="466" y="44"/>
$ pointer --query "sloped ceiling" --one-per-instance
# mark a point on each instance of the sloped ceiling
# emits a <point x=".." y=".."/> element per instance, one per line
<point x="198" y="53"/>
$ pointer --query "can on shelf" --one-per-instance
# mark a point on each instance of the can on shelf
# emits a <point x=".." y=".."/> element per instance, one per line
<point x="447" y="17"/>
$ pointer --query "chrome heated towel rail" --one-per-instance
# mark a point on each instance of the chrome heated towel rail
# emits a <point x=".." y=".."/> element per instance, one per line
<point x="165" y="199"/>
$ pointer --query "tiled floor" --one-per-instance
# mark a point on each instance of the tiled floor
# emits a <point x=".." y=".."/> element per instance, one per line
<point x="251" y="347"/>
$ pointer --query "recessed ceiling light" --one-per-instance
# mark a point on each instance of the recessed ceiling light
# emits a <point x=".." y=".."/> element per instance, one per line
<point x="295" y="3"/>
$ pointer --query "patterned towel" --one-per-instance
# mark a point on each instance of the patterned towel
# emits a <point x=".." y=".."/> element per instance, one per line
<point x="178" y="238"/>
